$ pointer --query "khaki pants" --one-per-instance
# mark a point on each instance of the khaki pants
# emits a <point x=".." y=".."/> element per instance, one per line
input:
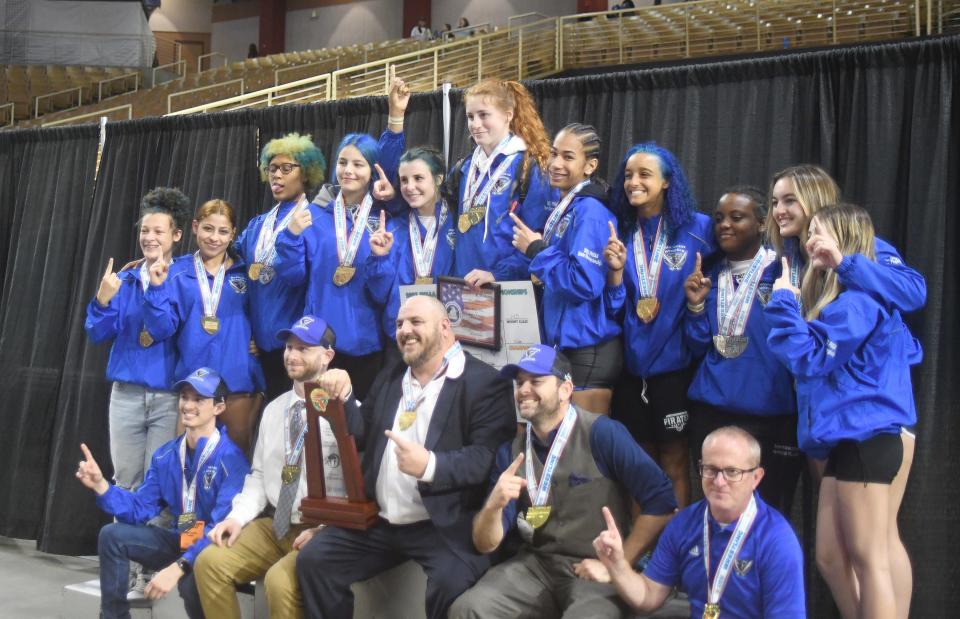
<point x="255" y="554"/>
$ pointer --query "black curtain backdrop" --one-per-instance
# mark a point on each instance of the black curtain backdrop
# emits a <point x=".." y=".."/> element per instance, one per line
<point x="881" y="118"/>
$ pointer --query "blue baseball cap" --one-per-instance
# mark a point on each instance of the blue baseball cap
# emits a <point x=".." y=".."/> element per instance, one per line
<point x="206" y="381"/>
<point x="311" y="330"/>
<point x="540" y="360"/>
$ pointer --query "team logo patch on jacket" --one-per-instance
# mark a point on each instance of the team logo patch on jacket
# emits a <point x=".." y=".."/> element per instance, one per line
<point x="742" y="566"/>
<point x="675" y="256"/>
<point x="452" y="238"/>
<point x="764" y="290"/>
<point x="502" y="183"/>
<point x="208" y="476"/>
<point x="238" y="283"/>
<point x="563" y="225"/>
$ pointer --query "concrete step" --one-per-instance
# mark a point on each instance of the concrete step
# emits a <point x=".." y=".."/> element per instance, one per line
<point x="82" y="601"/>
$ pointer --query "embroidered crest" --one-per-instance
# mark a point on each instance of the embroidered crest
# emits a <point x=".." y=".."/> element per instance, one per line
<point x="238" y="283"/>
<point x="304" y="322"/>
<point x="208" y="475"/>
<point x="764" y="290"/>
<point x="529" y="355"/>
<point x="373" y="223"/>
<point x="695" y="551"/>
<point x="676" y="421"/>
<point x="200" y="373"/>
<point x="502" y="184"/>
<point x="563" y="225"/>
<point x="675" y="256"/>
<point x="452" y="237"/>
<point x="742" y="566"/>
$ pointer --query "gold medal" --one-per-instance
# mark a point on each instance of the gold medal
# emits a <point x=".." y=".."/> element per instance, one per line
<point x="211" y="324"/>
<point x="537" y="515"/>
<point x="711" y="611"/>
<point x="319" y="398"/>
<point x="424" y="281"/>
<point x="477" y="214"/>
<point x="730" y="346"/>
<point x="254" y="271"/>
<point x="185" y="521"/>
<point x="463" y="223"/>
<point x="406" y="419"/>
<point x="647" y="309"/>
<point x="289" y="473"/>
<point x="145" y="338"/>
<point x="343" y="274"/>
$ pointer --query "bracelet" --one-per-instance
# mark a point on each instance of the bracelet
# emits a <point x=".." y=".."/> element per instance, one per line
<point x="696" y="309"/>
<point x="394" y="120"/>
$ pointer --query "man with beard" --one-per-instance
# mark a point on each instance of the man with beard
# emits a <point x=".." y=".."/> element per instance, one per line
<point x="549" y="486"/>
<point x="260" y="537"/>
<point x="428" y="429"/>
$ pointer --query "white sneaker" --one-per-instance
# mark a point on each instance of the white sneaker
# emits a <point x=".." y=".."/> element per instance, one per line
<point x="138" y="582"/>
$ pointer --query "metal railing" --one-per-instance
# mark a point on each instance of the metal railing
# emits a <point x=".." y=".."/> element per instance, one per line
<point x="303" y="71"/>
<point x="5" y="106"/>
<point x="309" y="90"/>
<point x="50" y="96"/>
<point x="466" y="31"/>
<point x="199" y="89"/>
<point x="514" y="20"/>
<point x="181" y="71"/>
<point x="211" y="56"/>
<point x="943" y="17"/>
<point x="96" y="114"/>
<point x="125" y="77"/>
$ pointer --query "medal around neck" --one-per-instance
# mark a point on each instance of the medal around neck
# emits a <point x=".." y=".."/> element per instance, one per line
<point x="647" y="309"/>
<point x="254" y="271"/>
<point x="210" y="324"/>
<point x="289" y="473"/>
<point x="730" y="346"/>
<point x="711" y="611"/>
<point x="406" y="419"/>
<point x="146" y="340"/>
<point x="537" y="515"/>
<point x="343" y="274"/>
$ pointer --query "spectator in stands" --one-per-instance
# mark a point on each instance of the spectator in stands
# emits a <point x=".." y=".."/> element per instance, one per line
<point x="421" y="32"/>
<point x="594" y="463"/>
<point x="248" y="544"/>
<point x="731" y="553"/>
<point x="252" y="51"/>
<point x="443" y="34"/>
<point x="195" y="476"/>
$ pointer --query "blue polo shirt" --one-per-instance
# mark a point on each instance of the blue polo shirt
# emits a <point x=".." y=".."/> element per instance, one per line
<point x="767" y="580"/>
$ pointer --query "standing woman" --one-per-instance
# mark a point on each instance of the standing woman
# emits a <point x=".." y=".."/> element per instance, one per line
<point x="797" y="193"/>
<point x="645" y="286"/>
<point x="739" y="381"/>
<point x="850" y="355"/>
<point x="419" y="246"/>
<point x="503" y="175"/>
<point x="143" y="407"/>
<point x="567" y="258"/>
<point x="205" y="308"/>
<point x="293" y="166"/>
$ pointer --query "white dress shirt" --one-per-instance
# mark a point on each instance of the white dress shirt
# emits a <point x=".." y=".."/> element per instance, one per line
<point x="397" y="493"/>
<point x="262" y="484"/>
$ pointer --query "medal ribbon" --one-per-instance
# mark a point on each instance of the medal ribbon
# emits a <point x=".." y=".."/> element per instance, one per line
<point x="744" y="523"/>
<point x="560" y="209"/>
<point x="189" y="492"/>
<point x="292" y="452"/>
<point x="144" y="275"/>
<point x="347" y="249"/>
<point x="265" y="251"/>
<point x="424" y="250"/>
<point x="210" y="297"/>
<point x="539" y="496"/>
<point x="479" y="169"/>
<point x="412" y="402"/>
<point x="648" y="274"/>
<point x="732" y="314"/>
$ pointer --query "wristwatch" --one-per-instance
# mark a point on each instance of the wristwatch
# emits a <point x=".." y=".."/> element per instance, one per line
<point x="185" y="566"/>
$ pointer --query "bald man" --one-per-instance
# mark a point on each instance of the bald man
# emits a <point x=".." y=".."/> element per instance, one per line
<point x="428" y="430"/>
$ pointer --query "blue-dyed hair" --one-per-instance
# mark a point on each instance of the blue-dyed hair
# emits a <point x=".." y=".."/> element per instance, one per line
<point x="301" y="149"/>
<point x="678" y="203"/>
<point x="367" y="146"/>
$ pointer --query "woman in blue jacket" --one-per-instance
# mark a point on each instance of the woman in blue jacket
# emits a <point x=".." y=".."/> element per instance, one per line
<point x="645" y="289"/>
<point x="204" y="308"/>
<point x="851" y="357"/>
<point x="503" y="175"/>
<point x="739" y="381"/>
<point x="568" y="259"/>
<point x="143" y="407"/>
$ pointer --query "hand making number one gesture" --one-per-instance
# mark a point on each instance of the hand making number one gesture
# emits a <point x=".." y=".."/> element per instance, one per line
<point x="697" y="286"/>
<point x="109" y="285"/>
<point x="382" y="240"/>
<point x="783" y="282"/>
<point x="523" y="235"/>
<point x="382" y="187"/>
<point x="615" y="253"/>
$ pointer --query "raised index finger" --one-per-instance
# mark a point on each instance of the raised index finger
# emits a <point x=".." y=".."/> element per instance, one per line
<point x="396" y="438"/>
<point x="696" y="266"/>
<point x="608" y="517"/>
<point x="86" y="452"/>
<point x="786" y="267"/>
<point x="517" y="220"/>
<point x="383" y="175"/>
<point x="613" y="231"/>
<point x="109" y="267"/>
<point x="383" y="220"/>
<point x="512" y="469"/>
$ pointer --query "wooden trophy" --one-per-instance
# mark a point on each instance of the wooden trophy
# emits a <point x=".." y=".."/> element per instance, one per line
<point x="355" y="511"/>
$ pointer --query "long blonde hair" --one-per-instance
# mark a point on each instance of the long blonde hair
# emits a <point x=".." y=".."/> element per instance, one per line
<point x="511" y="96"/>
<point x="814" y="189"/>
<point x="852" y="228"/>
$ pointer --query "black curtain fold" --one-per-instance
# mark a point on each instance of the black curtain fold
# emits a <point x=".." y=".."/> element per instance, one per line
<point x="882" y="118"/>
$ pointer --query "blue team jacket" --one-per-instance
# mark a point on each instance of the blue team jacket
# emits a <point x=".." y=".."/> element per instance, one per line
<point x="175" y="309"/>
<point x="497" y="254"/>
<point x="388" y="273"/>
<point x="123" y="318"/>
<point x="574" y="275"/>
<point x="658" y="347"/>
<point x="352" y="310"/>
<point x="275" y="305"/>
<point x="755" y="383"/>
<point x="219" y="481"/>
<point x="852" y="366"/>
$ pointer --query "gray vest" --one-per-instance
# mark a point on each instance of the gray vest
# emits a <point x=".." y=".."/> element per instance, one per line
<point x="577" y="494"/>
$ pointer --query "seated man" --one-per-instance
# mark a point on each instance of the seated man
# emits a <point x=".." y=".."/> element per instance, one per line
<point x="428" y="430"/>
<point x="195" y="475"/>
<point x="732" y="554"/>
<point x="571" y="462"/>
<point x="248" y="544"/>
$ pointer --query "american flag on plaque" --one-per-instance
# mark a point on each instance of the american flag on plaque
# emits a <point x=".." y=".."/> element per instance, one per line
<point x="474" y="313"/>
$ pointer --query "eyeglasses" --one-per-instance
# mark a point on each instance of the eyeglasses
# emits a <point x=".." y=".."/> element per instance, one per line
<point x="730" y="473"/>
<point x="285" y="168"/>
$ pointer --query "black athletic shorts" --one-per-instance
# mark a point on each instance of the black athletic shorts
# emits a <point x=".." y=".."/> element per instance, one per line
<point x="873" y="461"/>
<point x="654" y="409"/>
<point x="598" y="366"/>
